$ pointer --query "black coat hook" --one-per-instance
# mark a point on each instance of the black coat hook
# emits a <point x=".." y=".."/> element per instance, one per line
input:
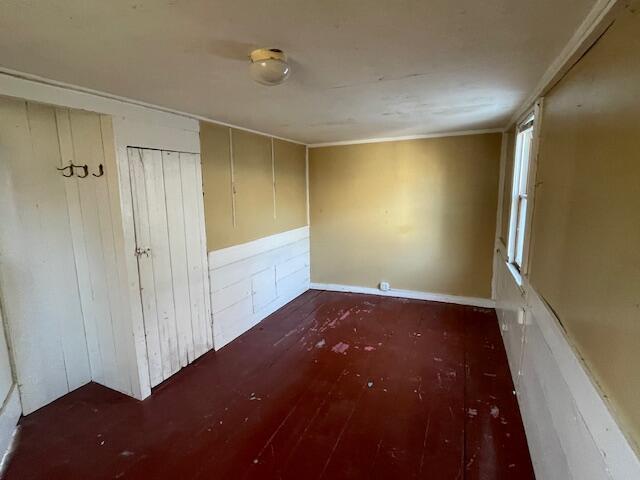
<point x="84" y="168"/>
<point x="100" y="171"/>
<point x="70" y="167"/>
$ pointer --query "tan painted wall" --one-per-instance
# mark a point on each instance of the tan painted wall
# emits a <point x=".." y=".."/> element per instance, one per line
<point x="419" y="214"/>
<point x="259" y="211"/>
<point x="585" y="258"/>
<point x="291" y="184"/>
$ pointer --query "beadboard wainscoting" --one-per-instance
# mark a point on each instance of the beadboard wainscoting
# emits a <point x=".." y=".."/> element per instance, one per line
<point x="252" y="280"/>
<point x="570" y="430"/>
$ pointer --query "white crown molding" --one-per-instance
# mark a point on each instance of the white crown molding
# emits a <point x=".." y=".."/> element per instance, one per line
<point x="407" y="137"/>
<point x="27" y="89"/>
<point x="595" y="23"/>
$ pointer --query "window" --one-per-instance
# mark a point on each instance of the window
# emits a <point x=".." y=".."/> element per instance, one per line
<point x="520" y="195"/>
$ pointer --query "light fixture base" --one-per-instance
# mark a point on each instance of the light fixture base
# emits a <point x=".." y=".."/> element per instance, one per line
<point x="262" y="54"/>
<point x="269" y="66"/>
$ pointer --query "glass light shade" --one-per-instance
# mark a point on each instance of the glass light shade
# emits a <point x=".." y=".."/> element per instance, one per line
<point x="271" y="71"/>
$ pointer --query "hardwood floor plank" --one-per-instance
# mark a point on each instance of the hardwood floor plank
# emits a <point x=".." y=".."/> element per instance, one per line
<point x="331" y="386"/>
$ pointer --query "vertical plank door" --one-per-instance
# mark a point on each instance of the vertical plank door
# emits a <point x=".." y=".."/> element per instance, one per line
<point x="38" y="282"/>
<point x="169" y="225"/>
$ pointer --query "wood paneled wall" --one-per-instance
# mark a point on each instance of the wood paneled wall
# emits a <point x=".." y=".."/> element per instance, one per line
<point x="58" y="274"/>
<point x="254" y="186"/>
<point x="37" y="274"/>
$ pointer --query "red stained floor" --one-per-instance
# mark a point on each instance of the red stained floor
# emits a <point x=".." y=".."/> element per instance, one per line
<point x="331" y="386"/>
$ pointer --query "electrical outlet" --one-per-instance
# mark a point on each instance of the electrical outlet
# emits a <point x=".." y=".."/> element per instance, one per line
<point x="384" y="286"/>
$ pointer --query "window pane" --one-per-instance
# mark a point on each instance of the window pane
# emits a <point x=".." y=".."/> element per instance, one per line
<point x="527" y="136"/>
<point x="524" y="141"/>
<point x="522" y="217"/>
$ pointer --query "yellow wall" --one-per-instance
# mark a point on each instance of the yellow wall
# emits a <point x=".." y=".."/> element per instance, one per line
<point x="291" y="184"/>
<point x="585" y="257"/>
<point x="269" y="198"/>
<point x="419" y="214"/>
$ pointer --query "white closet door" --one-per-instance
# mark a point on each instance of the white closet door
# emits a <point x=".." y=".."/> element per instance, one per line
<point x="169" y="226"/>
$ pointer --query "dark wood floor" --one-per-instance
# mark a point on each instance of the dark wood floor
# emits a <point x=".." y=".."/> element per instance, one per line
<point x="332" y="386"/>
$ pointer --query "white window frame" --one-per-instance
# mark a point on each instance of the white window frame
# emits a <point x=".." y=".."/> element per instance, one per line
<point x="526" y="193"/>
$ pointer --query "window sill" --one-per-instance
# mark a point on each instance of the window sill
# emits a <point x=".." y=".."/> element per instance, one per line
<point x="517" y="276"/>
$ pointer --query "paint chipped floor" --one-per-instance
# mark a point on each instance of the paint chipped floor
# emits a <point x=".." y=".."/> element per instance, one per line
<point x="332" y="386"/>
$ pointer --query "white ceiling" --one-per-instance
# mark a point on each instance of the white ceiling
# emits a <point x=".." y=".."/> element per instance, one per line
<point x="361" y="68"/>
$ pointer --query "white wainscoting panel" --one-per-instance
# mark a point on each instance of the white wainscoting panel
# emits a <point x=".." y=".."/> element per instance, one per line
<point x="572" y="435"/>
<point x="252" y="280"/>
<point x="510" y="309"/>
<point x="263" y="288"/>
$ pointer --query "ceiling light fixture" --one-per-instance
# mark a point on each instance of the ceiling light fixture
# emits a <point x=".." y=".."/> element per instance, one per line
<point x="269" y="66"/>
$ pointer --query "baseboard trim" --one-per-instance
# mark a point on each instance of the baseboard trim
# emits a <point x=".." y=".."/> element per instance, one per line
<point x="415" y="295"/>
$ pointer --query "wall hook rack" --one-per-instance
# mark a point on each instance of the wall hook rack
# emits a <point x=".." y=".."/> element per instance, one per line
<point x="100" y="171"/>
<point x="84" y="168"/>
<point x="70" y="167"/>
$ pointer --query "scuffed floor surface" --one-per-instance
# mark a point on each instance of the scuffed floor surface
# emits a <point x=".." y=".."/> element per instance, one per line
<point x="332" y="386"/>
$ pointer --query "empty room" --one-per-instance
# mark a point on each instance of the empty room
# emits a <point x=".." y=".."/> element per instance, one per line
<point x="320" y="240"/>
